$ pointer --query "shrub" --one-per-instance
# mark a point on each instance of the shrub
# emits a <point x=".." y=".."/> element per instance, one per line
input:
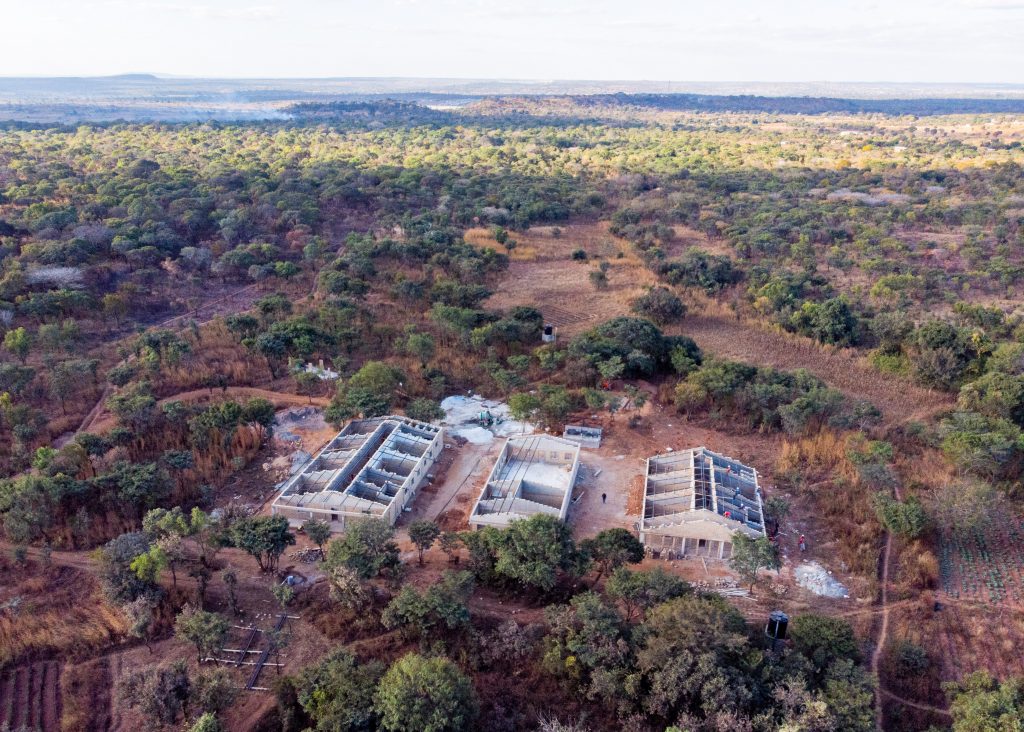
<point x="660" y="305"/>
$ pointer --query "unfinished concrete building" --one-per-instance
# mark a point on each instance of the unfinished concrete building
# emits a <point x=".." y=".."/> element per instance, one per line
<point x="696" y="500"/>
<point x="533" y="474"/>
<point x="373" y="468"/>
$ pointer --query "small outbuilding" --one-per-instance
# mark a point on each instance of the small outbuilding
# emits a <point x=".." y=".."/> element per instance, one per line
<point x="589" y="437"/>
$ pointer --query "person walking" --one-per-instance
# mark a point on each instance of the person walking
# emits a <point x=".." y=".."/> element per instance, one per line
<point x="803" y="543"/>
<point x="604" y="498"/>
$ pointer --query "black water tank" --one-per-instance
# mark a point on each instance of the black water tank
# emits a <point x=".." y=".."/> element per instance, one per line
<point x="778" y="623"/>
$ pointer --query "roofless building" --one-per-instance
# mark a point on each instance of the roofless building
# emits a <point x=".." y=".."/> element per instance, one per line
<point x="373" y="468"/>
<point x="696" y="500"/>
<point x="534" y="474"/>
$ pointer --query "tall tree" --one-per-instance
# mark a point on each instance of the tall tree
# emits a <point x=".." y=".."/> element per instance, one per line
<point x="367" y="546"/>
<point x="337" y="693"/>
<point x="205" y="630"/>
<point x="419" y="694"/>
<point x="750" y="555"/>
<point x="611" y="549"/>
<point x="423" y="534"/>
<point x="319" y="532"/>
<point x="19" y="342"/>
<point x="263" y="537"/>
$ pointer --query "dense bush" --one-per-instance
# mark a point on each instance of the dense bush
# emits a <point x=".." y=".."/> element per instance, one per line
<point x="763" y="398"/>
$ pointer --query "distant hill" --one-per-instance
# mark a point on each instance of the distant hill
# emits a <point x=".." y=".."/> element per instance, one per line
<point x="150" y="97"/>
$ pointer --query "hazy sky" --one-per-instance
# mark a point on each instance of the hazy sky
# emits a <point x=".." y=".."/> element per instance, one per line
<point x="716" y="40"/>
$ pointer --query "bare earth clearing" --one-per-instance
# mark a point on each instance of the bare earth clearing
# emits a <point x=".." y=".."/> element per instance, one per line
<point x="545" y="276"/>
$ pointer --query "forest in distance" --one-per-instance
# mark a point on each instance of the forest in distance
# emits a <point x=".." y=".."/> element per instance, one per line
<point x="826" y="289"/>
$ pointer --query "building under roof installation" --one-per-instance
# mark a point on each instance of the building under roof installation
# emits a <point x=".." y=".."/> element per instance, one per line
<point x="533" y="474"/>
<point x="696" y="500"/>
<point x="373" y="468"/>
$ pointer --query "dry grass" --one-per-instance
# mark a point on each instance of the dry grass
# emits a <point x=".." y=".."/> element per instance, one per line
<point x="687" y="238"/>
<point x="960" y="638"/>
<point x="822" y="474"/>
<point x="215" y="352"/>
<point x="717" y="329"/>
<point x="85" y="696"/>
<point x="560" y="287"/>
<point x="62" y="611"/>
<point x="540" y="243"/>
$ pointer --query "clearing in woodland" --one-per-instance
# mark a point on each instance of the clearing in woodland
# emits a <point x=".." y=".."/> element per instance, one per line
<point x="545" y="275"/>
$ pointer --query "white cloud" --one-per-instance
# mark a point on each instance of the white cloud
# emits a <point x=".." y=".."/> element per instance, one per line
<point x="909" y="40"/>
<point x="994" y="4"/>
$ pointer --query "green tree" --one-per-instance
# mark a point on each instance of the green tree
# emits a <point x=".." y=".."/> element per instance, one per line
<point x="264" y="538"/>
<point x="120" y="583"/>
<point x="823" y="640"/>
<point x="19" y="342"/>
<point x="777" y="508"/>
<point x="523" y="406"/>
<point x="450" y="543"/>
<point x="205" y="630"/>
<point x="611" y="369"/>
<point x="981" y="703"/>
<point x="337" y="693"/>
<point x="148" y="566"/>
<point x="661" y="305"/>
<point x="588" y="644"/>
<point x="419" y="694"/>
<point x="611" y="549"/>
<point x="831" y="322"/>
<point x="231" y="582"/>
<point x="367" y="546"/>
<point x="319" y="532"/>
<point x="141" y="617"/>
<point x="308" y="383"/>
<point x="207" y="722"/>
<point x="283" y="593"/>
<point x="370" y="391"/>
<point x="640" y="591"/>
<point x="533" y="551"/>
<point x="161" y="694"/>
<point x="347" y="587"/>
<point x="440" y="607"/>
<point x="424" y="410"/>
<point x="692" y="658"/>
<point x="988" y="447"/>
<point x="905" y="518"/>
<point x="752" y="555"/>
<point x="421" y="346"/>
<point x="423" y="534"/>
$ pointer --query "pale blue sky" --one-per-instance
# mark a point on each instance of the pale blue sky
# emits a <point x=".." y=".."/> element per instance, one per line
<point x="750" y="40"/>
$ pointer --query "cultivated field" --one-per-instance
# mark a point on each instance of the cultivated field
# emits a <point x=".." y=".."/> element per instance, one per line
<point x="986" y="564"/>
<point x="30" y="697"/>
